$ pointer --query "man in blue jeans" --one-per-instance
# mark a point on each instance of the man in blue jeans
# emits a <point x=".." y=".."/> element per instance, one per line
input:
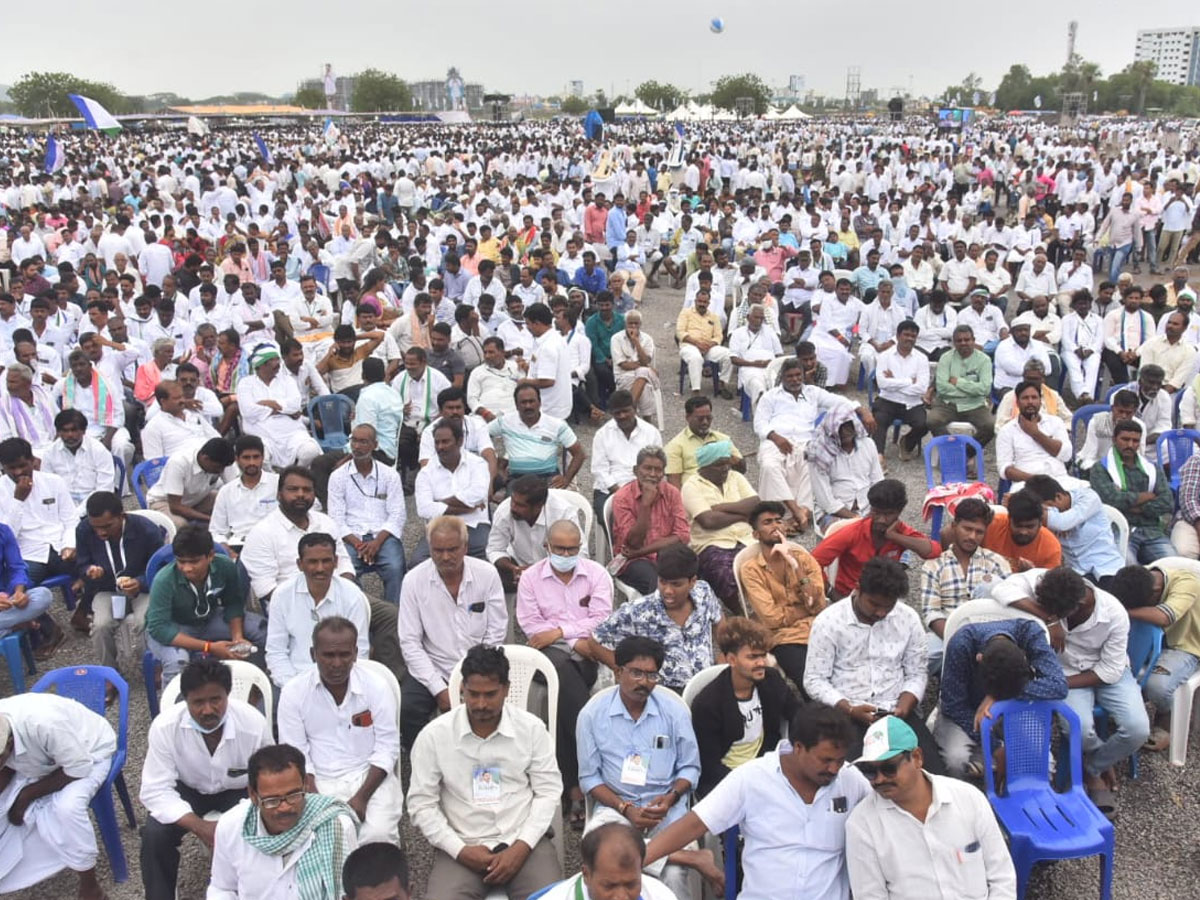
<point x="1165" y="595"/>
<point x="21" y="604"/>
<point x="1089" y="630"/>
<point x="1123" y="227"/>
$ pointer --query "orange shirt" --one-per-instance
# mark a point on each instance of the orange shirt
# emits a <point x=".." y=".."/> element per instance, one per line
<point x="1044" y="552"/>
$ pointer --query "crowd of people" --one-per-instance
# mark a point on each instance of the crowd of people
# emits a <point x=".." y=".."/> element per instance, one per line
<point x="294" y="357"/>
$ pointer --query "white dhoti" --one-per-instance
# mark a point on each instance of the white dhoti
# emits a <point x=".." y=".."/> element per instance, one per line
<point x="57" y="833"/>
<point x="784" y="478"/>
<point x="288" y="442"/>
<point x="694" y="360"/>
<point x="624" y="379"/>
<point x="384" y="809"/>
<point x="1082" y="372"/>
<point x="753" y="382"/>
<point x="834" y="357"/>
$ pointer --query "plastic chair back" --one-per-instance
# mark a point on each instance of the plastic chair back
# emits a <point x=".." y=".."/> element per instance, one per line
<point x="18" y="656"/>
<point x="700" y="681"/>
<point x="162" y="520"/>
<point x="322" y="273"/>
<point x="1144" y="647"/>
<point x="743" y="556"/>
<point x="523" y="664"/>
<point x="119" y="470"/>
<point x="1080" y="419"/>
<point x="951" y="450"/>
<point x="1120" y="527"/>
<point x="1028" y="728"/>
<point x="333" y="412"/>
<point x="583" y="505"/>
<point x="1112" y="391"/>
<point x="1180" y="444"/>
<point x="145" y="475"/>
<point x="246" y="675"/>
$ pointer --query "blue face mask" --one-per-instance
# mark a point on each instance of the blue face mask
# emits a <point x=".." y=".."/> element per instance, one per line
<point x="563" y="563"/>
<point x="196" y="725"/>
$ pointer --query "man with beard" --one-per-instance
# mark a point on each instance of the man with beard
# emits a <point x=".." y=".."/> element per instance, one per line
<point x="1033" y="443"/>
<point x="101" y="401"/>
<point x="1019" y="536"/>
<point x="242" y="503"/>
<point x="78" y="458"/>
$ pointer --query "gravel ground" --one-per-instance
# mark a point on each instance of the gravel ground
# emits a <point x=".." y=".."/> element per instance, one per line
<point x="1154" y="810"/>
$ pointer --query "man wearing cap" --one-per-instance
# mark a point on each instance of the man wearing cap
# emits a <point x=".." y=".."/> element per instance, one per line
<point x="920" y="835"/>
<point x="270" y="407"/>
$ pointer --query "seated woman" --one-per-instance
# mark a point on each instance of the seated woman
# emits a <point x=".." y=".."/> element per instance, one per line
<point x="633" y="363"/>
<point x="844" y="466"/>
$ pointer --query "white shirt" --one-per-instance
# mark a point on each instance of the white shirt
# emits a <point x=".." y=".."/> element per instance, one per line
<point x="420" y="395"/>
<point x="51" y="732"/>
<point x="492" y="389"/>
<point x="470" y="483"/>
<point x="1035" y="284"/>
<point x="238" y="508"/>
<point x="1015" y="448"/>
<point x="958" y="852"/>
<point x="183" y="477"/>
<point x="45" y="519"/>
<point x="937" y="329"/>
<point x="850" y="660"/>
<point x="652" y="889"/>
<point x="1071" y="279"/>
<point x="475" y="437"/>
<point x="166" y="435"/>
<point x="794" y="850"/>
<point x="239" y="872"/>
<point x="278" y="430"/>
<point x="367" y="504"/>
<point x="176" y="753"/>
<point x="436" y="630"/>
<point x="525" y="543"/>
<point x="552" y="359"/>
<point x="338" y="739"/>
<point x="1010" y="358"/>
<point x="89" y="469"/>
<point x="1082" y="334"/>
<point x="614" y="454"/>
<point x="293" y="615"/>
<point x="271" y="549"/>
<point x="794" y="417"/>
<point x="909" y="379"/>
<point x="986" y="325"/>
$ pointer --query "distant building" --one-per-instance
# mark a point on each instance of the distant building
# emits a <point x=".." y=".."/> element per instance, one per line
<point x="1175" y="52"/>
<point x="433" y="96"/>
<point x="576" y="89"/>
<point x="345" y="90"/>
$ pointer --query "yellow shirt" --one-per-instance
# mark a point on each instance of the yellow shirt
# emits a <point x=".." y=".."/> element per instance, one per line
<point x="681" y="451"/>
<point x="700" y="495"/>
<point x="1179" y="597"/>
<point x="489" y="249"/>
<point x="691" y="324"/>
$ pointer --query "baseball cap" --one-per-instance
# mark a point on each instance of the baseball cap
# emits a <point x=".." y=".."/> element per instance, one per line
<point x="886" y="738"/>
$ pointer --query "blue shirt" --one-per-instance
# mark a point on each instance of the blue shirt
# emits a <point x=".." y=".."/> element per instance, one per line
<point x="381" y="406"/>
<point x="615" y="226"/>
<point x="12" y="564"/>
<point x="607" y="734"/>
<point x="962" y="691"/>
<point x="1085" y="534"/>
<point x="597" y="281"/>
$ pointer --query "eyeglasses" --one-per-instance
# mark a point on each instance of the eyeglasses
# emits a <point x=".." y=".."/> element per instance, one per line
<point x="887" y="768"/>
<point x="642" y="675"/>
<point x="292" y="799"/>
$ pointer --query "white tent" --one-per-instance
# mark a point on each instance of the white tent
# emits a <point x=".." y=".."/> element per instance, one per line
<point x="772" y="114"/>
<point x="794" y="114"/>
<point x="636" y="108"/>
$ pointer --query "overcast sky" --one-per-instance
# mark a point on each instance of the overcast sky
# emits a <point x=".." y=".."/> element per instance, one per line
<point x="538" y="46"/>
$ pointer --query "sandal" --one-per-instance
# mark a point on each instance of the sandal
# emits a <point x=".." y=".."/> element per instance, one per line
<point x="1106" y="802"/>
<point x="50" y="643"/>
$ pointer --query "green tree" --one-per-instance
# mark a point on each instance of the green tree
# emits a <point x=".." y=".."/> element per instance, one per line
<point x="663" y="97"/>
<point x="1142" y="74"/>
<point x="1014" y="91"/>
<point x="376" y="91"/>
<point x="729" y="88"/>
<point x="310" y="96"/>
<point x="600" y="99"/>
<point x="45" y="94"/>
<point x="574" y="106"/>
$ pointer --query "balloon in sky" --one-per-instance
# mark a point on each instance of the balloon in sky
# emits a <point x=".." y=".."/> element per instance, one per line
<point x="717" y="25"/>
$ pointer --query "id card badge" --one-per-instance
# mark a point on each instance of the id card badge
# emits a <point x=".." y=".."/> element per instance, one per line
<point x="485" y="786"/>
<point x="635" y="768"/>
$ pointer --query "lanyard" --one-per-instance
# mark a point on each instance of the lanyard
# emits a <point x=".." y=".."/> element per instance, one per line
<point x="120" y="554"/>
<point x="374" y="474"/>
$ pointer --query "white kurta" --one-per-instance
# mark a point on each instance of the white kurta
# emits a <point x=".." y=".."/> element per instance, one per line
<point x="286" y="439"/>
<point x="842" y="318"/>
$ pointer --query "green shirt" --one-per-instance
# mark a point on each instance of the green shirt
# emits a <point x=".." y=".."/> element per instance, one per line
<point x="176" y="603"/>
<point x="1150" y="515"/>
<point x="601" y="335"/>
<point x="973" y="377"/>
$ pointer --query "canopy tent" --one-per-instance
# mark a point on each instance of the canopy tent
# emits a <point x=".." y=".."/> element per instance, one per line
<point x="636" y="108"/>
<point x="772" y="114"/>
<point x="794" y="114"/>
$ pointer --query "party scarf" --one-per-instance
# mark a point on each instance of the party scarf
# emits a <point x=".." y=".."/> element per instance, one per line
<point x="101" y="412"/>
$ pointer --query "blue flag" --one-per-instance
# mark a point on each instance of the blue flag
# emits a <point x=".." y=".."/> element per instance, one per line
<point x="55" y="157"/>
<point x="262" y="149"/>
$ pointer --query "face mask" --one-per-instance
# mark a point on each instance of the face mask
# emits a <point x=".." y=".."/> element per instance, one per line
<point x="196" y="725"/>
<point x="563" y="563"/>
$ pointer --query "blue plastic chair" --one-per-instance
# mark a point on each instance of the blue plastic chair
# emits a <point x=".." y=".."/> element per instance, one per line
<point x="86" y="685"/>
<point x="1081" y="418"/>
<point x="119" y="469"/>
<point x="1112" y="391"/>
<point x="1042" y="824"/>
<point x="334" y="412"/>
<point x="872" y="390"/>
<point x="145" y="476"/>
<point x="709" y="369"/>
<point x="1180" y="444"/>
<point x="63" y="583"/>
<point x="745" y="401"/>
<point x="1144" y="647"/>
<point x="18" y="654"/>
<point x="953" y="463"/>
<point x="322" y="273"/>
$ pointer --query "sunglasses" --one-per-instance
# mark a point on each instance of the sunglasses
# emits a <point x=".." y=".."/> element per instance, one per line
<point x="887" y="768"/>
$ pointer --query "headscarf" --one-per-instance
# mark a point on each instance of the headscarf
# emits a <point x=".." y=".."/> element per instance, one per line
<point x="826" y="446"/>
<point x="261" y="354"/>
<point x="319" y="869"/>
<point x="711" y="452"/>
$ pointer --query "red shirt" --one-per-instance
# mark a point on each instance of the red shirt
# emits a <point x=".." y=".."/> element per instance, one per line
<point x="666" y="515"/>
<point x="851" y="545"/>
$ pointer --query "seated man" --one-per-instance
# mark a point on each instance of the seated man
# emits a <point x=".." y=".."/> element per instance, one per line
<point x="520" y="525"/>
<point x="22" y="603"/>
<point x="271" y="408"/>
<point x="987" y="662"/>
<point x="1140" y="489"/>
<point x="187" y="488"/>
<point x="680" y="616"/>
<point x="962" y="387"/>
<point x="894" y="838"/>
<point x="1052" y="402"/>
<point x="247" y="500"/>
<point x="877" y="533"/>
<point x="1092" y="628"/>
<point x="719" y="502"/>
<point x="638" y="758"/>
<point x="868" y="656"/>
<point x="1164" y="594"/>
<point x="902" y="375"/>
<point x="269" y="554"/>
<point x="374" y="871"/>
<point x="490" y="386"/>
<point x="418" y="386"/>
<point x="964" y="570"/>
<point x="560" y="602"/>
<point x="174" y="426"/>
<point x="1098" y="440"/>
<point x="197" y="606"/>
<point x="55" y="754"/>
<point x="1014" y="353"/>
<point x="534" y="441"/>
<point x="647" y="517"/>
<point x="698" y="332"/>
<point x="196" y="760"/>
<point x="452" y="406"/>
<point x="455" y="482"/>
<point x="484" y="789"/>
<point x="79" y="459"/>
<point x="753" y="347"/>
<point x="366" y="501"/>
<point x="616" y="447"/>
<point x="1185" y="534"/>
<point x="1076" y="515"/>
<point x="283" y="841"/>
<point x="1154" y="403"/>
<point x="380" y="406"/>
<point x="342" y="717"/>
<point x="784" y="588"/>
<point x="447" y="604"/>
<point x="113" y="550"/>
<point x="1035" y="443"/>
<point x="611" y="859"/>
<point x="739" y="716"/>
<point x="1019" y="536"/>
<point x="100" y="401"/>
<point x="681" y="449"/>
<point x="759" y="797"/>
<point x="309" y="596"/>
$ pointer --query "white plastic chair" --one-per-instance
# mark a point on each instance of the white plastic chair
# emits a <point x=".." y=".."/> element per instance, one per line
<point x="605" y="530"/>
<point x="839" y="274"/>
<point x="1183" y="699"/>
<point x="984" y="609"/>
<point x="701" y="680"/>
<point x="1121" y="531"/>
<point x="582" y="504"/>
<point x="162" y="520"/>
<point x="743" y="556"/>
<point x="246" y="675"/>
<point x="387" y="676"/>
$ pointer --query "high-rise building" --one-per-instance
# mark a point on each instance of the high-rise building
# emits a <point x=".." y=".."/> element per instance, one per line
<point x="1175" y="51"/>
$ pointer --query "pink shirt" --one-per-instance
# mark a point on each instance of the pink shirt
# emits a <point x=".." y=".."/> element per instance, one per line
<point x="577" y="607"/>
